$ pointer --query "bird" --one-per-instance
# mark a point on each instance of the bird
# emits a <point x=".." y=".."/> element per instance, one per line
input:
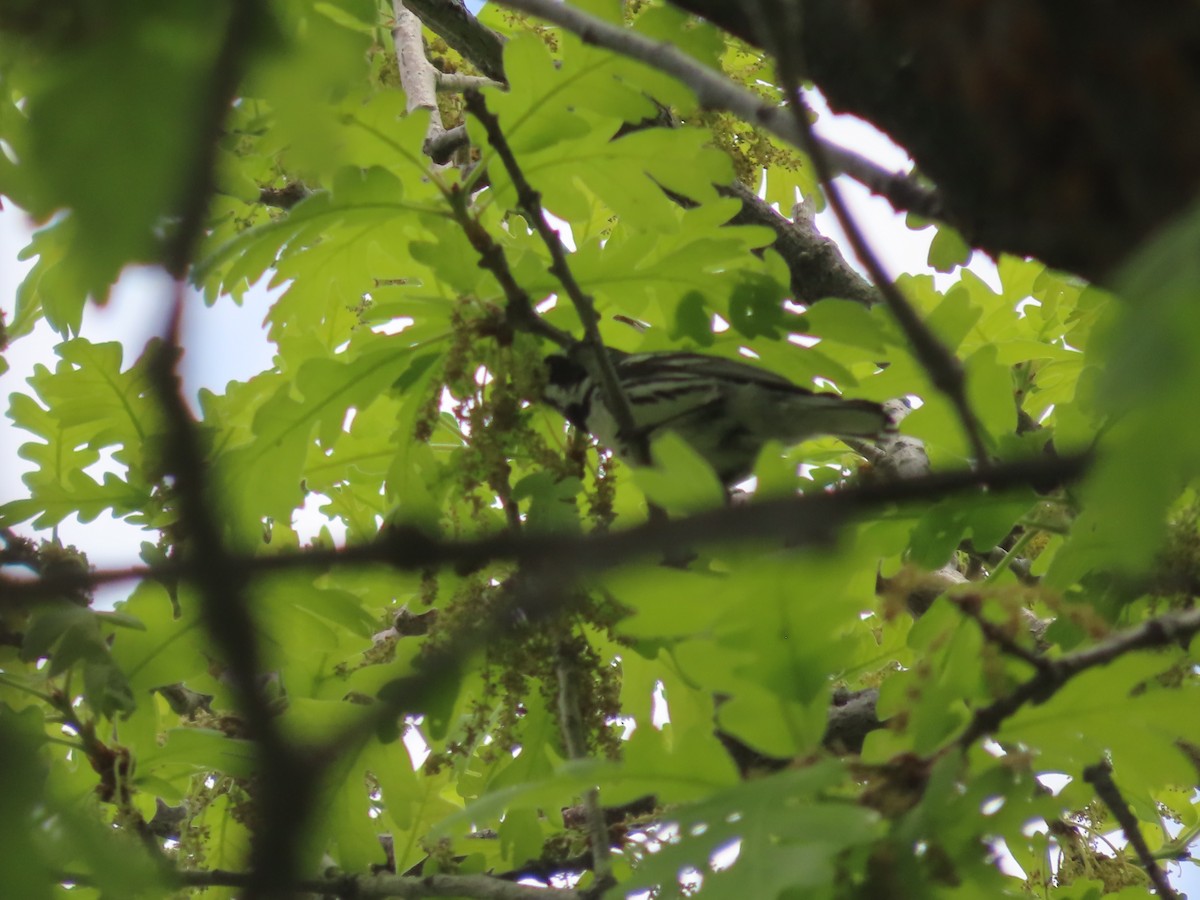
<point x="725" y="409"/>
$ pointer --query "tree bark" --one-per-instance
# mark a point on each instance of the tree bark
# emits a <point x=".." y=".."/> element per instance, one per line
<point x="1068" y="131"/>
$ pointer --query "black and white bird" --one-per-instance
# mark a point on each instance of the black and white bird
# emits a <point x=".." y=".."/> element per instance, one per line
<point x="726" y="410"/>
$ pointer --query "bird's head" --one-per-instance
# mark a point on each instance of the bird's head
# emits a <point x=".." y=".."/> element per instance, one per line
<point x="567" y="387"/>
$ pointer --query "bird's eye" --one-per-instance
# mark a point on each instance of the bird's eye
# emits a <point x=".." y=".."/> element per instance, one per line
<point x="561" y="371"/>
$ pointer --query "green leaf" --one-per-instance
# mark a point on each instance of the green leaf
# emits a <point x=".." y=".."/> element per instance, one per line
<point x="948" y="250"/>
<point x="90" y="405"/>
<point x="756" y="307"/>
<point x="228" y="839"/>
<point x="680" y="481"/>
<point x="654" y="595"/>
<point x="551" y="502"/>
<point x="142" y="133"/>
<point x="770" y="725"/>
<point x="199" y="750"/>
<point x="849" y="323"/>
<point x="693" y="320"/>
<point x="22" y="778"/>
<point x="172" y="647"/>
<point x="789" y="837"/>
<point x="986" y="521"/>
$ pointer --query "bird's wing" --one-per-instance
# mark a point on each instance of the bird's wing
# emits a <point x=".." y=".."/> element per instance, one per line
<point x="684" y="366"/>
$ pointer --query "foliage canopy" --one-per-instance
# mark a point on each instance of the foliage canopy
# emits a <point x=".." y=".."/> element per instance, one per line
<point x="1038" y="634"/>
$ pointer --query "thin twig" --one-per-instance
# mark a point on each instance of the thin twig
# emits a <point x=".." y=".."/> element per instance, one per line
<point x="901" y="190"/>
<point x="780" y="35"/>
<point x="1013" y="560"/>
<point x="1167" y="629"/>
<point x="714" y="91"/>
<point x="969" y="605"/>
<point x="519" y="309"/>
<point x="1100" y="777"/>
<point x="570" y="716"/>
<point x="531" y="202"/>
<point x="454" y="81"/>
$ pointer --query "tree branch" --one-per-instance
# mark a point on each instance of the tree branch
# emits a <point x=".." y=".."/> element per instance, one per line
<point x="223" y="581"/>
<point x="1100" y="777"/>
<point x="904" y="192"/>
<point x="1052" y="674"/>
<point x="441" y="148"/>
<point x="796" y="520"/>
<point x="477" y="44"/>
<point x="477" y="887"/>
<point x="818" y="269"/>
<point x="714" y="91"/>
<point x="852" y="716"/>
<point x="418" y="77"/>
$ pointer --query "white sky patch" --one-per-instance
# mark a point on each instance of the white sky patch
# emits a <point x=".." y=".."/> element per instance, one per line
<point x="803" y="340"/>
<point x="415" y="743"/>
<point x="308" y="521"/>
<point x="660" y="709"/>
<point x="899" y="248"/>
<point x="1025" y="305"/>
<point x="565" y="234"/>
<point x="395" y="326"/>
<point x="106" y="465"/>
<point x="1054" y="782"/>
